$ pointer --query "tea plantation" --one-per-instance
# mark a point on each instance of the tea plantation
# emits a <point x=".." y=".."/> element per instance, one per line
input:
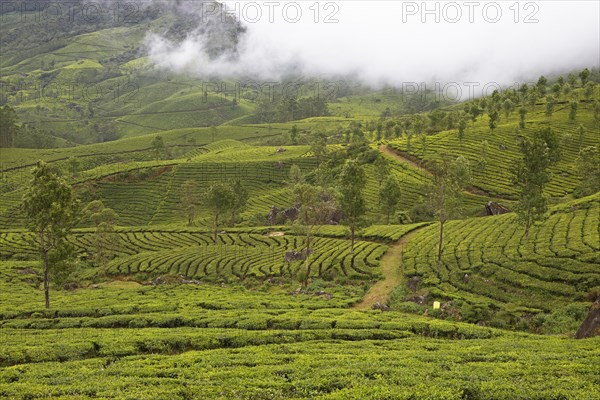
<point x="223" y="245"/>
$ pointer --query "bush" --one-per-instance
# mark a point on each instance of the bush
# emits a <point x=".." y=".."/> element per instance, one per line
<point x="475" y="312"/>
<point x="566" y="319"/>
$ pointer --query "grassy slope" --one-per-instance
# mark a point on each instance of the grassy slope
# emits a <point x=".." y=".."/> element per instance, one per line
<point x="495" y="177"/>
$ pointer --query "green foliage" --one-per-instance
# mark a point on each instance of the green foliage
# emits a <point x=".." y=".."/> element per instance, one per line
<point x="531" y="175"/>
<point x="220" y="199"/>
<point x="51" y="211"/>
<point x="8" y="126"/>
<point x="190" y="200"/>
<point x="158" y="146"/>
<point x="588" y="165"/>
<point x="352" y="183"/>
<point x="389" y="196"/>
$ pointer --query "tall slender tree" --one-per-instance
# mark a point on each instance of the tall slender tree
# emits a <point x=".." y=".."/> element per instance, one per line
<point x="317" y="206"/>
<point x="389" y="196"/>
<point x="522" y="116"/>
<point x="189" y="200"/>
<point x="531" y="175"/>
<point x="106" y="239"/>
<point x="51" y="211"/>
<point x="352" y="183"/>
<point x="444" y="194"/>
<point x="219" y="199"/>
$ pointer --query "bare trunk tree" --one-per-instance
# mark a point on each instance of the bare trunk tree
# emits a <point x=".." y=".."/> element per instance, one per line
<point x="440" y="249"/>
<point x="44" y="254"/>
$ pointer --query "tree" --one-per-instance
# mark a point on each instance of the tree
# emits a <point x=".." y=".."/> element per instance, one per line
<point x="378" y="131"/>
<point x="523" y="90"/>
<point x="8" y="126"/>
<point x="556" y="89"/>
<point x="158" y="146"/>
<point x="493" y="123"/>
<point x="584" y="75"/>
<point x="475" y="112"/>
<point x="423" y="139"/>
<point x="531" y="175"/>
<point x="581" y="135"/>
<point x="508" y="107"/>
<point x="382" y="167"/>
<point x="389" y="196"/>
<point x="444" y="194"/>
<point x="352" y="182"/>
<point x="462" y="126"/>
<point x="397" y="130"/>
<point x="572" y="110"/>
<point x="51" y="211"/>
<point x="533" y="96"/>
<point x="319" y="146"/>
<point x="105" y="237"/>
<point x="220" y="200"/>
<point x="296" y="175"/>
<point x="189" y="200"/>
<point x="541" y="85"/>
<point x="483" y="159"/>
<point x="106" y="131"/>
<point x="240" y="198"/>
<point x="522" y="115"/>
<point x="588" y="91"/>
<point x="74" y="166"/>
<point x="316" y="208"/>
<point x="550" y="102"/>
<point x="294" y="134"/>
<point x="588" y="166"/>
<point x="572" y="79"/>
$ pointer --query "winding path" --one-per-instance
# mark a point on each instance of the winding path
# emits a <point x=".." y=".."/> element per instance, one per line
<point x="391" y="267"/>
<point x="385" y="149"/>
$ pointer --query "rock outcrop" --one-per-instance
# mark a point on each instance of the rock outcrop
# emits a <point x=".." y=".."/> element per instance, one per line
<point x="591" y="325"/>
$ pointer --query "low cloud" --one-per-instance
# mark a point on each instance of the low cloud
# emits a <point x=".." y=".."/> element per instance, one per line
<point x="386" y="42"/>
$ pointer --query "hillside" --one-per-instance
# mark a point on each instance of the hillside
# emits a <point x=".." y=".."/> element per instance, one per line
<point x="215" y="243"/>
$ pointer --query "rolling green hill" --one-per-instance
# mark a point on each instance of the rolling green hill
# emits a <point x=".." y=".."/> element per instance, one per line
<point x="179" y="310"/>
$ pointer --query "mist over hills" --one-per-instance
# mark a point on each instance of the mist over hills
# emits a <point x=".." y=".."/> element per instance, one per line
<point x="353" y="200"/>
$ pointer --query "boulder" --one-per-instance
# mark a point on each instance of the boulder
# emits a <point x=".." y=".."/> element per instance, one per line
<point x="413" y="283"/>
<point x="493" y="208"/>
<point x="591" y="325"/>
<point x="379" y="306"/>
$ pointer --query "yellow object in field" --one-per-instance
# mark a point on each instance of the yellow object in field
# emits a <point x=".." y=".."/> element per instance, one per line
<point x="436" y="305"/>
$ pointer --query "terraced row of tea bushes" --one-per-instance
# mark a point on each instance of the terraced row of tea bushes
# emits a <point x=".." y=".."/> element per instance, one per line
<point x="558" y="264"/>
<point x="281" y="365"/>
<point x="242" y="256"/>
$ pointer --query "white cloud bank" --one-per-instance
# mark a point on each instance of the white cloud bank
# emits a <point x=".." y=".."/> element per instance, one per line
<point x="388" y="42"/>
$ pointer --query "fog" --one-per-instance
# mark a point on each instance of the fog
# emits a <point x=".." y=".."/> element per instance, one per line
<point x="392" y="42"/>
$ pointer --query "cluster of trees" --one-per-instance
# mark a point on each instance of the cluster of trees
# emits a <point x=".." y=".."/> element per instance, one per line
<point x="289" y="108"/>
<point x="225" y="200"/>
<point x="13" y="133"/>
<point x="523" y="99"/>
